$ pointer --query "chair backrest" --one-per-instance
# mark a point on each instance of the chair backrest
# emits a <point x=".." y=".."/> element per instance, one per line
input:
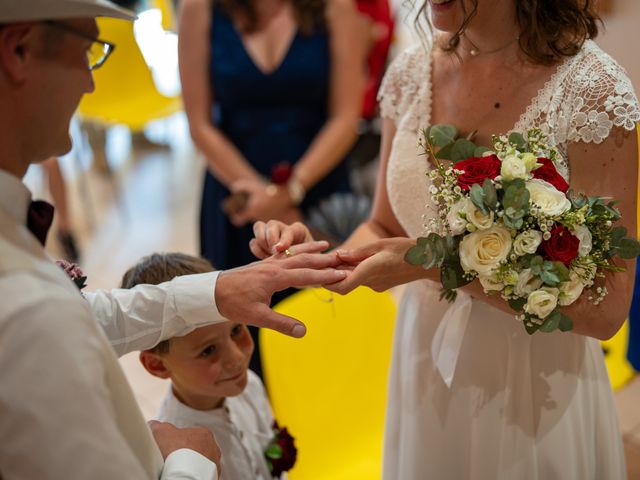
<point x="125" y="90"/>
<point x="329" y="388"/>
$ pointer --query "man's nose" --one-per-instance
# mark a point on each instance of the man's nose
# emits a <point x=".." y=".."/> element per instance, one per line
<point x="91" y="84"/>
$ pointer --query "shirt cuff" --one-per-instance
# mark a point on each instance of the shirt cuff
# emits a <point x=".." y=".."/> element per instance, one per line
<point x="194" y="299"/>
<point x="186" y="464"/>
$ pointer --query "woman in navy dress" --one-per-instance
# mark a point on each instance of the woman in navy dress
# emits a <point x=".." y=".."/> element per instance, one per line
<point x="267" y="83"/>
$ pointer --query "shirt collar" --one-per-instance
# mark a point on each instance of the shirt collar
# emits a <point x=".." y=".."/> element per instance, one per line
<point x="15" y="197"/>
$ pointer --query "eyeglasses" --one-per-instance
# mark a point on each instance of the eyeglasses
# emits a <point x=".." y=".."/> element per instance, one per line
<point x="99" y="50"/>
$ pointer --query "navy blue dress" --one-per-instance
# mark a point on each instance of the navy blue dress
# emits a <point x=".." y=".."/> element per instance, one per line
<point x="271" y="118"/>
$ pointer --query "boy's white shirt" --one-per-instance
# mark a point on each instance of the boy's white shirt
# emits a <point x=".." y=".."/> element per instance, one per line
<point x="66" y="408"/>
<point x="242" y="427"/>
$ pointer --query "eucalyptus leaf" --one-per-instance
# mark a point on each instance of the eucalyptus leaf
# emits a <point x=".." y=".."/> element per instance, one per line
<point x="479" y="151"/>
<point x="415" y="255"/>
<point x="445" y="152"/>
<point x="562" y="271"/>
<point x="517" y="303"/>
<point x="517" y="140"/>
<point x="530" y="329"/>
<point x="452" y="276"/>
<point x="477" y="197"/>
<point x="617" y="234"/>
<point x="443" y="134"/>
<point x="566" y="324"/>
<point x="628" y="248"/>
<point x="490" y="194"/>
<point x="552" y="322"/>
<point x="550" y="278"/>
<point x="462" y="149"/>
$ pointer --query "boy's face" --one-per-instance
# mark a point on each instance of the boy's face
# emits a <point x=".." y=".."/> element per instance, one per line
<point x="209" y="364"/>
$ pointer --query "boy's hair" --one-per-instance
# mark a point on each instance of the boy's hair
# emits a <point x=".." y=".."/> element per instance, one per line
<point x="163" y="267"/>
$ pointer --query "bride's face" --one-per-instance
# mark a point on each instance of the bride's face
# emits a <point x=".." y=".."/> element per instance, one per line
<point x="448" y="15"/>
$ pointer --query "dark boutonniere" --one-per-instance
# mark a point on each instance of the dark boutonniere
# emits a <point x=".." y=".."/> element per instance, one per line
<point x="74" y="272"/>
<point x="281" y="452"/>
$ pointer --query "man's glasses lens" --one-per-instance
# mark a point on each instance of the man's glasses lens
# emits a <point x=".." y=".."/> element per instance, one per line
<point x="97" y="54"/>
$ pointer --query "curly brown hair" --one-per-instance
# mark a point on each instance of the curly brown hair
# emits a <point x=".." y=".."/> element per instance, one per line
<point x="549" y="29"/>
<point x="310" y="14"/>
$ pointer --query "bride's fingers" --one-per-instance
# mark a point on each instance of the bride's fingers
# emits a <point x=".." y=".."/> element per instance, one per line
<point x="356" y="255"/>
<point x="257" y="249"/>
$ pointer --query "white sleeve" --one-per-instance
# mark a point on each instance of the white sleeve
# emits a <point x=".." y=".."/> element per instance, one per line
<point x="143" y="316"/>
<point x="185" y="464"/>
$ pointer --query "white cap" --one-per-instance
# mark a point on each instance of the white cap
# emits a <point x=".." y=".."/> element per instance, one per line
<point x="12" y="11"/>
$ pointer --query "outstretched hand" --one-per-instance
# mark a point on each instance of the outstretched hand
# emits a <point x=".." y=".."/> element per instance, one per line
<point x="274" y="237"/>
<point x="244" y="294"/>
<point x="379" y="265"/>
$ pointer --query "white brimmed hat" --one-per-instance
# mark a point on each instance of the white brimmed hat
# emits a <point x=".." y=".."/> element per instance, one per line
<point x="35" y="10"/>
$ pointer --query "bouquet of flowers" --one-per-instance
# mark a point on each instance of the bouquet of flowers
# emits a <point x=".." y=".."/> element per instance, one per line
<point x="507" y="217"/>
<point x="74" y="272"/>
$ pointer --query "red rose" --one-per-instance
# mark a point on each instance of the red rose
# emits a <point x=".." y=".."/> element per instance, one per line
<point x="561" y="247"/>
<point x="476" y="169"/>
<point x="280" y="173"/>
<point x="281" y="453"/>
<point x="548" y="173"/>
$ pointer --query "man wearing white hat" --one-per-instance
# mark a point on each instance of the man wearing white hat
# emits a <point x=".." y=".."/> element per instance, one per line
<point x="66" y="410"/>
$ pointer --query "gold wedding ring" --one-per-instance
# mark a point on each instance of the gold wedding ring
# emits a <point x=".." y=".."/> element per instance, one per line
<point x="288" y="253"/>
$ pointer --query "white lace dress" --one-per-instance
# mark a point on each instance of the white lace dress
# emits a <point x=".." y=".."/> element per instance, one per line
<point x="519" y="407"/>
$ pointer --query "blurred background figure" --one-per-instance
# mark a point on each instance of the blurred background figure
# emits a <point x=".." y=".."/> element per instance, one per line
<point x="58" y="191"/>
<point x="273" y="92"/>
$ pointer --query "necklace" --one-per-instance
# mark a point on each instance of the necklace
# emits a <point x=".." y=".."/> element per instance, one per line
<point x="474" y="51"/>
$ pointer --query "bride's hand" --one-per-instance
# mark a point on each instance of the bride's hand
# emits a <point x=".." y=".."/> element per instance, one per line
<point x="379" y="265"/>
<point x="275" y="236"/>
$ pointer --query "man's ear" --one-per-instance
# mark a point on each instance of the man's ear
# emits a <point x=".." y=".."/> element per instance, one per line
<point x="17" y="46"/>
<point x="154" y="364"/>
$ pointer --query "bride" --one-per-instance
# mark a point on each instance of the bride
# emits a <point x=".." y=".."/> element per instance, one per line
<point x="471" y="394"/>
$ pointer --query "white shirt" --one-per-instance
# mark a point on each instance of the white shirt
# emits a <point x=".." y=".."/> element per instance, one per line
<point x="66" y="409"/>
<point x="242" y="427"/>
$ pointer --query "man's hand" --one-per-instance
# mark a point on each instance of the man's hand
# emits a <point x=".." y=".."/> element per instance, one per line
<point x="275" y="237"/>
<point x="171" y="438"/>
<point x="244" y="294"/>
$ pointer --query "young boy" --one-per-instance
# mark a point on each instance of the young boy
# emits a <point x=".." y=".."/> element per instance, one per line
<point x="211" y="385"/>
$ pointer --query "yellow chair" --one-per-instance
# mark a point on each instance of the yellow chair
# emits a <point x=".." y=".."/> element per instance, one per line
<point x="125" y="91"/>
<point x="620" y="370"/>
<point x="329" y="388"/>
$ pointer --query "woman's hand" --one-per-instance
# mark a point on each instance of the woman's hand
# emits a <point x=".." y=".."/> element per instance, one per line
<point x="275" y="237"/>
<point x="379" y="265"/>
<point x="265" y="202"/>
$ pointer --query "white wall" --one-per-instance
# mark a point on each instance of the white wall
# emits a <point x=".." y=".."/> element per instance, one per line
<point x="621" y="37"/>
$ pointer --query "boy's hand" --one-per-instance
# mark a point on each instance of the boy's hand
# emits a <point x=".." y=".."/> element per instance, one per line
<point x="244" y="294"/>
<point x="171" y="438"/>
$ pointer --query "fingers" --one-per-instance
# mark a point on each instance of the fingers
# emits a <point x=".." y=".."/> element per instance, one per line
<point x="350" y="283"/>
<point x="267" y="318"/>
<point x="357" y="255"/>
<point x="292" y="235"/>
<point x="308" y="277"/>
<point x="257" y="250"/>
<point x="317" y="246"/>
<point x="309" y="260"/>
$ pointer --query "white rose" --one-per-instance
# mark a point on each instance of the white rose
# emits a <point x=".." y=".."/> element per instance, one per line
<point x="457" y="224"/>
<point x="542" y="302"/>
<point x="571" y="290"/>
<point x="527" y="283"/>
<point x="530" y="161"/>
<point x="491" y="283"/>
<point x="513" y="167"/>
<point x="551" y="201"/>
<point x="584" y="235"/>
<point x="527" y="242"/>
<point x="476" y="217"/>
<point x="483" y="250"/>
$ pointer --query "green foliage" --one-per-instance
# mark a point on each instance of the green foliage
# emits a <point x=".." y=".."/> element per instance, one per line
<point x="517" y="303"/>
<point x="517" y="140"/>
<point x="273" y="451"/>
<point x="442" y="134"/>
<point x="479" y="151"/>
<point x="515" y="202"/>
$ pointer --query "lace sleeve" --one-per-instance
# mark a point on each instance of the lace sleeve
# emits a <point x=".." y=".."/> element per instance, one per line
<point x="401" y="83"/>
<point x="603" y="98"/>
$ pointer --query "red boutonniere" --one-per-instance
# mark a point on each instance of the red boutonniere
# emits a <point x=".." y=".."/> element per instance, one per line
<point x="74" y="272"/>
<point x="281" y="452"/>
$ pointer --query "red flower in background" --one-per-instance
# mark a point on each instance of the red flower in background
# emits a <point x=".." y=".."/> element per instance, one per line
<point x="548" y="173"/>
<point x="476" y="170"/>
<point x="562" y="246"/>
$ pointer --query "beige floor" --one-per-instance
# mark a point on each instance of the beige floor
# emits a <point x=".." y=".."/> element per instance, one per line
<point x="150" y="204"/>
